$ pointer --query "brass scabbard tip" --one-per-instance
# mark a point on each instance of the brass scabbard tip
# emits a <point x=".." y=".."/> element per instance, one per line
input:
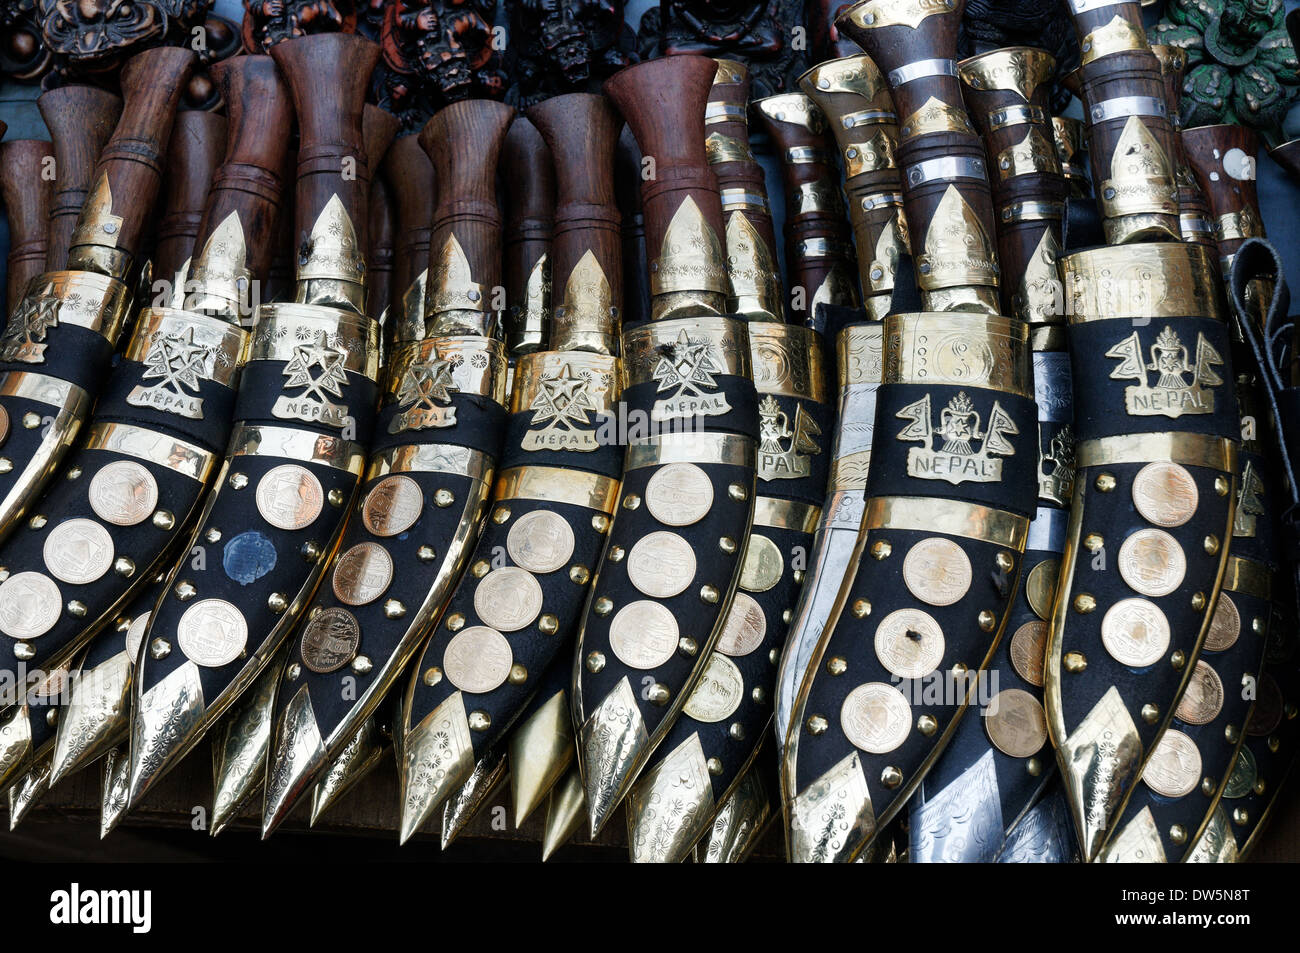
<point x="296" y="758"/>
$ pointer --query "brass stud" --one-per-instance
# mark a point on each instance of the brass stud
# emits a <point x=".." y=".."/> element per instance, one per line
<point x="658" y="694"/>
<point x="425" y="554"/>
<point x="1093" y="542"/>
<point x="861" y="608"/>
<point x="479" y="721"/>
<point x="604" y="606"/>
<point x="616" y="554"/>
<point x="1211" y="544"/>
<point x="1260" y="787"/>
<point x="927" y="725"/>
<point x="737" y="493"/>
<point x="774" y="656"/>
<point x="736" y="731"/>
<point x="891" y="777"/>
<point x="881" y="549"/>
<point x="37" y="522"/>
<point x="1240" y="816"/>
<point x="31" y="420"/>
<point x="1198" y="601"/>
<point x="709" y="594"/>
<point x="548" y="624"/>
<point x="1257" y="625"/>
<point x="688" y="646"/>
<point x="797" y="576"/>
<point x="335" y="496"/>
<point x="631" y="501"/>
<point x="817" y="725"/>
<point x="1231" y="733"/>
<point x="213" y="535"/>
<point x="518" y="674"/>
<point x="595" y="662"/>
<point x="292" y="672"/>
<point x="581" y="575"/>
<point x="1150" y="713"/>
<point x="837" y="665"/>
<point x="24" y="651"/>
<point x="311" y="551"/>
<point x="1290" y="710"/>
<point x="455" y="622"/>
<point x="124" y="566"/>
<point x="1221" y="485"/>
<point x="443" y="498"/>
<point x="987" y="620"/>
<point x="4" y="574"/>
<point x="714" y="765"/>
<point x="727" y="545"/>
<point x="77" y="608"/>
<point x="1274" y="742"/>
<point x="1178" y="834"/>
<point x="164" y="519"/>
<point x="160" y="648"/>
<point x="786" y="616"/>
<point x="1105" y="482"/>
<point x="361" y="665"/>
<point x="238" y="481"/>
<point x="1075" y="662"/>
<point x="6" y="465"/>
<point x="277" y="602"/>
<point x="394" y="609"/>
<point x="1004" y="561"/>
<point x="185" y="590"/>
<point x="74" y="474"/>
<point x="52" y="716"/>
<point x="481" y="569"/>
<point x="759" y="695"/>
<point x="959" y="670"/>
<point x="1034" y="767"/>
<point x="600" y="523"/>
<point x="1208" y="786"/>
<point x="1178" y="660"/>
<point x="501" y="515"/>
<point x="1084" y="603"/>
<point x="432" y="676"/>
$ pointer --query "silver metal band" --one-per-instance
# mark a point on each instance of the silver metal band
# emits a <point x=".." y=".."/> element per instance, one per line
<point x="739" y="198"/>
<point x="944" y="169"/>
<point x="1121" y="107"/>
<point x="716" y="112"/>
<point x="1017" y="116"/>
<point x="866" y="117"/>
<point x="129" y="440"/>
<point x="802" y="155"/>
<point x="824" y="248"/>
<point x="882" y="199"/>
<point x="729" y="448"/>
<point x="1032" y="211"/>
<point x="304" y="445"/>
<point x="920" y="70"/>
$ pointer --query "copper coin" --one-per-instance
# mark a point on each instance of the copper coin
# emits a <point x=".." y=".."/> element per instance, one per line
<point x="1225" y="625"/>
<point x="661" y="564"/>
<point x="745" y="628"/>
<point x="289" y="497"/>
<point x="1152" y="562"/>
<point x="1203" y="698"/>
<point x="212" y="633"/>
<point x="1016" y="723"/>
<point x="123" y="493"/>
<point x="392" y="506"/>
<point x="4" y="425"/>
<point x="937" y="571"/>
<point x="763" y="564"/>
<point x="909" y="643"/>
<point x="643" y="634"/>
<point x="1174" y="768"/>
<point x="1165" y="494"/>
<point x="1267" y="713"/>
<point x="1135" y="632"/>
<point x="679" y="494"/>
<point x="718" y="693"/>
<point x="362" y="574"/>
<point x="508" y="599"/>
<point x="78" y="551"/>
<point x="1245" y="771"/>
<point x="540" y="541"/>
<point x="135" y="635"/>
<point x="876" y="717"/>
<point x="30" y="604"/>
<point x="1040" y="587"/>
<point x="1028" y="650"/>
<point x="330" y="640"/>
<point x="477" y="659"/>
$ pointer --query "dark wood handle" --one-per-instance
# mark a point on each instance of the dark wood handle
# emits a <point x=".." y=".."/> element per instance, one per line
<point x="1224" y="159"/>
<point x="378" y="127"/>
<point x="464" y="142"/>
<point x="80" y="120"/>
<point x="131" y="163"/>
<point x="528" y="177"/>
<point x="627" y="188"/>
<point x="410" y="177"/>
<point x="198" y="140"/>
<point x="327" y="75"/>
<point x="379" y="283"/>
<point x="26" y="193"/>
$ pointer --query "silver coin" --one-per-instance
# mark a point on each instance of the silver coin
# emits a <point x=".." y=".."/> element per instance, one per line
<point x="540" y="541"/>
<point x="745" y="628"/>
<point x="477" y="659"/>
<point x="508" y="599"/>
<point x="123" y="493"/>
<point x="661" y="564"/>
<point x="718" y="693"/>
<point x="1225" y="625"/>
<point x="30" y="604"/>
<point x="330" y="640"/>
<point x="1152" y="562"/>
<point x="362" y="574"/>
<point x="135" y="635"/>
<point x="78" y="551"/>
<point x="643" y="634"/>
<point x="290" y="497"/>
<point x="1174" y="768"/>
<point x="1135" y="632"/>
<point x="392" y="506"/>
<point x="212" y="633"/>
<point x="679" y="494"/>
<point x="876" y="717"/>
<point x="937" y="571"/>
<point x="909" y="643"/>
<point x="1203" y="698"/>
<point x="763" y="564"/>
<point x="1165" y="494"/>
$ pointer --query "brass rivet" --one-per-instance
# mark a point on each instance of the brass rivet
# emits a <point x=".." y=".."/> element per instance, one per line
<point x="1093" y="542"/>
<point x="688" y="646"/>
<point x="927" y="725"/>
<point x="238" y="481"/>
<point x="24" y="651"/>
<point x="1208" y="786"/>
<point x="1178" y="833"/>
<point x="432" y="676"/>
<point x="74" y="473"/>
<point x="52" y="716"/>
<point x="891" y="777"/>
<point x="31" y="420"/>
<point x="759" y="695"/>
<point x="361" y="665"/>
<point x="727" y="544"/>
<point x="1105" y="482"/>
<point x="1004" y="561"/>
<point x="1231" y="733"/>
<point x="160" y="648"/>
<point x="616" y="554"/>
<point x="124" y="566"/>
<point x="443" y="498"/>
<point x="600" y="523"/>
<point x="1178" y="660"/>
<point x="1150" y="713"/>
<point x="817" y="724"/>
<point x="737" y="493"/>
<point x="213" y="535"/>
<point x="881" y="549"/>
<point x="6" y="465"/>
<point x="394" y="609"/>
<point x="1034" y="767"/>
<point x="709" y="594"/>
<point x="1221" y="485"/>
<point x="1198" y="601"/>
<point x="276" y="602"/>
<point x="774" y="656"/>
<point x="1240" y="816"/>
<point x="786" y="616"/>
<point x="481" y="569"/>
<point x="455" y="622"/>
<point x="1274" y="742"/>
<point x="1260" y="787"/>
<point x="987" y="620"/>
<point x="797" y="576"/>
<point x="736" y="731"/>
<point x="604" y="606"/>
<point x="658" y="694"/>
<point x="1211" y="544"/>
<point x="837" y="665"/>
<point x="518" y="674"/>
<point x="185" y="590"/>
<point x="479" y="721"/>
<point x="292" y="672"/>
<point x="163" y="519"/>
<point x="311" y="551"/>
<point x="1257" y="625"/>
<point x="714" y="765"/>
<point x="501" y="514"/>
<point x="861" y="608"/>
<point x="77" y="608"/>
<point x="548" y="624"/>
<point x="1075" y="662"/>
<point x="595" y="662"/>
<point x="37" y="522"/>
<point x="579" y="574"/>
<point x="631" y="501"/>
<point x="1084" y="603"/>
<point x="426" y="554"/>
<point x="335" y="496"/>
<point x="959" y="669"/>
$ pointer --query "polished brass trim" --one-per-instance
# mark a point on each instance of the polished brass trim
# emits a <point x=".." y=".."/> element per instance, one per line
<point x="859" y="354"/>
<point x="985" y="350"/>
<point x="305" y="445"/>
<point x="281" y="327"/>
<point x="856" y="75"/>
<point x="1249" y="577"/>
<point x="644" y="347"/>
<point x="781" y="513"/>
<point x="473" y="365"/>
<point x="431" y="458"/>
<point x="1151" y="280"/>
<point x="951" y="517"/>
<point x="85" y="299"/>
<point x="718" y="112"/>
<point x="29" y="385"/>
<point x="1117" y="36"/>
<point x="788" y="359"/>
<point x="557" y="485"/>
<point x="1239" y="225"/>
<point x="599" y="371"/>
<point x="728" y="448"/>
<point x="1013" y="69"/>
<point x="1188" y="449"/>
<point x="225" y="343"/>
<point x="129" y="440"/>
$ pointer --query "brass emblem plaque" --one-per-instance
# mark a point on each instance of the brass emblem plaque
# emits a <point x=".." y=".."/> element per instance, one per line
<point x="477" y="659"/>
<point x="876" y="717"/>
<point x="643" y="634"/>
<point x="508" y="599"/>
<point x="937" y="571"/>
<point x="1135" y="632"/>
<point x="362" y="574"/>
<point x="1152" y="562"/>
<point x="763" y="564"/>
<point x="909" y="643"/>
<point x="540" y="541"/>
<point x="289" y="497"/>
<point x="330" y="640"/>
<point x="1028" y="650"/>
<point x="718" y="693"/>
<point x="1016" y="723"/>
<point x="1040" y="587"/>
<point x="1174" y="768"/>
<point x="212" y="633"/>
<point x="78" y="551"/>
<point x="661" y="565"/>
<point x="1203" y="699"/>
<point x="745" y="628"/>
<point x="392" y="506"/>
<point x="123" y="493"/>
<point x="1165" y="494"/>
<point x="30" y="604"/>
<point x="1225" y="625"/>
<point x="679" y="494"/>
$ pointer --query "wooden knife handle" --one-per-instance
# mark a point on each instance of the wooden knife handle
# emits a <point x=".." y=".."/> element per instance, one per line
<point x="198" y="140"/>
<point x="26" y="193"/>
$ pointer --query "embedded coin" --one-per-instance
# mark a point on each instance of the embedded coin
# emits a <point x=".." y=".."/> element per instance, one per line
<point x="362" y="574"/>
<point x="78" y="551"/>
<point x="1135" y="632"/>
<point x="508" y="599"/>
<point x="1016" y="723"/>
<point x="29" y="605"/>
<point x="718" y="693"/>
<point x="477" y="659"/>
<point x="289" y="497"/>
<point x="679" y="494"/>
<point x="123" y="493"/>
<point x="4" y="425"/>
<point x="1152" y="562"/>
<point x="1174" y="768"/>
<point x="1225" y="625"/>
<point x="540" y="541"/>
<point x="1165" y="494"/>
<point x="876" y="717"/>
<point x="1028" y="649"/>
<point x="909" y="643"/>
<point x="937" y="571"/>
<point x="1040" y="587"/>
<point x="212" y="633"/>
<point x="1244" y="772"/>
<point x="135" y="635"/>
<point x="745" y="627"/>
<point x="1267" y="713"/>
<point x="763" y="564"/>
<point x="1203" y="699"/>
<point x="330" y="640"/>
<point x="392" y="506"/>
<point x="661" y="564"/>
<point x="643" y="634"/>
